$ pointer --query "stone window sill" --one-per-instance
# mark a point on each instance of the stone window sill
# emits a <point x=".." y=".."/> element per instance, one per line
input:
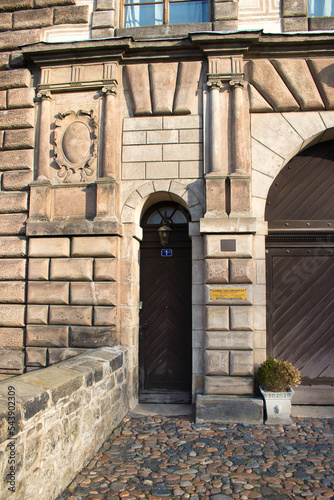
<point x="320" y="23"/>
<point x="166" y="30"/>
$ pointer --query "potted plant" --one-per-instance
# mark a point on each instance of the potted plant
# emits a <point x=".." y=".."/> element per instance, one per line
<point x="276" y="379"/>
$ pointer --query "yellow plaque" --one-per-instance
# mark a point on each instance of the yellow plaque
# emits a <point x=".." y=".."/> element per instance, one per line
<point x="228" y="293"/>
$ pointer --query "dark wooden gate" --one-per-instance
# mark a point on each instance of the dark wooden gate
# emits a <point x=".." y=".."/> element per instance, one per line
<point x="165" y="319"/>
<point x="300" y="271"/>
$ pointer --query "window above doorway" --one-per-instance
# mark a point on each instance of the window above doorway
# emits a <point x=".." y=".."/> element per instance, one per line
<point x="158" y="12"/>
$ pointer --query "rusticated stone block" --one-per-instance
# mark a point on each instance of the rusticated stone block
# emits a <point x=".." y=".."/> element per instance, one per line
<point x="11" y="360"/>
<point x="294" y="8"/>
<point x="17" y="118"/>
<point x="241" y="363"/>
<point x="37" y="314"/>
<point x="11" y="40"/>
<point x="103" y="32"/>
<point x="21" y="98"/>
<point x="229" y="340"/>
<point x="3" y="99"/>
<point x="11" y="338"/>
<point x="49" y="247"/>
<point x="19" y="139"/>
<point x="36" y="356"/>
<point x="103" y="19"/>
<point x="105" y="270"/>
<point x="131" y="154"/>
<point x="47" y="293"/>
<point x="241" y="271"/>
<point x="12" y="292"/>
<point x="38" y="18"/>
<point x="217" y="318"/>
<point x="55" y="355"/>
<point x="38" y="269"/>
<point x="12" y="269"/>
<point x="216" y="271"/>
<point x="71" y="269"/>
<point x="228" y="385"/>
<point x="215" y="247"/>
<point x="16" y="59"/>
<point x="216" y="362"/>
<point x="98" y="246"/>
<point x="92" y="337"/>
<point x="17" y="180"/>
<point x="5" y="21"/>
<point x="16" y="4"/>
<point x="225" y="10"/>
<point x="105" y="316"/>
<point x="241" y="318"/>
<point x="16" y="160"/>
<point x="4" y="60"/>
<point x="104" y="294"/>
<point x="71" y="15"/>
<point x="105" y="4"/>
<point x="13" y="202"/>
<point x="12" y="315"/>
<point x="51" y="3"/>
<point x="12" y="224"/>
<point x="47" y="336"/>
<point x="70" y="315"/>
<point x="15" y="78"/>
<point x="12" y="246"/>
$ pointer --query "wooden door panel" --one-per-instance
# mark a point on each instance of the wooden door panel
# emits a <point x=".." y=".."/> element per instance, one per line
<point x="300" y="317"/>
<point x="165" y="346"/>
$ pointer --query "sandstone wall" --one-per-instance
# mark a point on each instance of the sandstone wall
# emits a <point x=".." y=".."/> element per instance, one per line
<point x="21" y="22"/>
<point x="63" y="415"/>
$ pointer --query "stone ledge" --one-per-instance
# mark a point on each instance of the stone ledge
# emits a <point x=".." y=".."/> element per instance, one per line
<point x="228" y="225"/>
<point x="63" y="413"/>
<point x="229" y="409"/>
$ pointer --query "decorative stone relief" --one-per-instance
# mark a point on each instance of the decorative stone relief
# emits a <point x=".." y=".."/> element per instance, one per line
<point x="75" y="140"/>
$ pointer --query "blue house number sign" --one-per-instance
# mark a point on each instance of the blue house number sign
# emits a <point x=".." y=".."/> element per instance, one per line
<point x="166" y="252"/>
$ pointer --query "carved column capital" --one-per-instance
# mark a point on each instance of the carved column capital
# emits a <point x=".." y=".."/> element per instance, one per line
<point x="43" y="95"/>
<point x="110" y="88"/>
<point x="214" y="84"/>
<point x="237" y="83"/>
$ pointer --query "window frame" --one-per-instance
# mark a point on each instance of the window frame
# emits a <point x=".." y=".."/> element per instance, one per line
<point x="165" y="4"/>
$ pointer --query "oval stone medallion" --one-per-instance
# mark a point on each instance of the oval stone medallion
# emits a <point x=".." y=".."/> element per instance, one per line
<point x="76" y="142"/>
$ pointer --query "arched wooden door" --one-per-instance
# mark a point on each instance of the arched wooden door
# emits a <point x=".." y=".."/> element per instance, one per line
<point x="165" y="361"/>
<point x="300" y="271"/>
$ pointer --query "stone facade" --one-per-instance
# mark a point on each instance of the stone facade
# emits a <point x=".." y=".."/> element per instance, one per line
<point x="95" y="131"/>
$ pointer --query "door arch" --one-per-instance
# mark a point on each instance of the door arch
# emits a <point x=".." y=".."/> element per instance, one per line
<point x="165" y="340"/>
<point x="300" y="271"/>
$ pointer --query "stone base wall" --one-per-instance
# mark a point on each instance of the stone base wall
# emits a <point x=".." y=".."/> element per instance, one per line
<point x="63" y="414"/>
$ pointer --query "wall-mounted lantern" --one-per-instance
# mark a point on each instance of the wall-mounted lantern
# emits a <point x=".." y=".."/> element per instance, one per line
<point x="164" y="231"/>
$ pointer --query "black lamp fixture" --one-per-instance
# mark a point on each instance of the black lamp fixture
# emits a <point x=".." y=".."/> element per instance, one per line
<point x="164" y="231"/>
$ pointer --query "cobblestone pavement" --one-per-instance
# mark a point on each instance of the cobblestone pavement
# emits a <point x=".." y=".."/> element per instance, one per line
<point x="155" y="457"/>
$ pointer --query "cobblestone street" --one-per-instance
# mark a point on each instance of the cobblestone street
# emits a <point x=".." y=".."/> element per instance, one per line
<point x="155" y="457"/>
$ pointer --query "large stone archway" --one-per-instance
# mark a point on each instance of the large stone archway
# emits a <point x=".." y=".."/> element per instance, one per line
<point x="300" y="270"/>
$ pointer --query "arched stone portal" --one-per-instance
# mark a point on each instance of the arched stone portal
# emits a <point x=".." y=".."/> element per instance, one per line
<point x="300" y="270"/>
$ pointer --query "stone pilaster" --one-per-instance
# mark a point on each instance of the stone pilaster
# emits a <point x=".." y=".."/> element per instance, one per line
<point x="109" y="129"/>
<point x="44" y="135"/>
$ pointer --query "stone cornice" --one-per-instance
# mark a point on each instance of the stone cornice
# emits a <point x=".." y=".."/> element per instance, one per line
<point x="199" y="44"/>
